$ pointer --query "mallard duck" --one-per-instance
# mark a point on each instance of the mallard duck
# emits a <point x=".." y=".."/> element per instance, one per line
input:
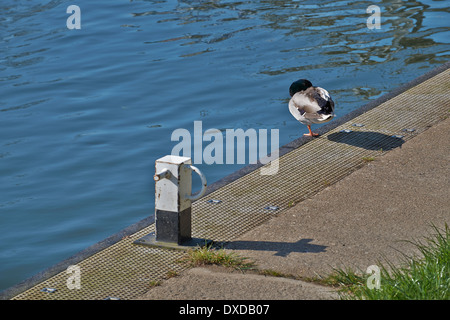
<point x="310" y="104"/>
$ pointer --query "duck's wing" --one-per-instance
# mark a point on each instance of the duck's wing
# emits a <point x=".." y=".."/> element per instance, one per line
<point x="305" y="102"/>
<point x="322" y="98"/>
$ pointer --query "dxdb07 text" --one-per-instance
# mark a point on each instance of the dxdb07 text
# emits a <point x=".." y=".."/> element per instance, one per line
<point x="245" y="309"/>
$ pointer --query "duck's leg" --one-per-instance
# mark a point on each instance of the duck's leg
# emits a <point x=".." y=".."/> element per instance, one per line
<point x="311" y="134"/>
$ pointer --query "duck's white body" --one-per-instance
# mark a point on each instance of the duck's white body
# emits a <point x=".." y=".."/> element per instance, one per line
<point x="312" y="106"/>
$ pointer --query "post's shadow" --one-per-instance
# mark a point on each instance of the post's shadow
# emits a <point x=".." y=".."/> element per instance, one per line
<point x="369" y="140"/>
<point x="282" y="249"/>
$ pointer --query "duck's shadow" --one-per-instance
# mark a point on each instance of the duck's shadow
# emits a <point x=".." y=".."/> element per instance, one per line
<point x="369" y="140"/>
<point x="282" y="249"/>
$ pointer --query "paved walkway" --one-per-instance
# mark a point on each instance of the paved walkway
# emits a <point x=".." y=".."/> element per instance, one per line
<point x="355" y="223"/>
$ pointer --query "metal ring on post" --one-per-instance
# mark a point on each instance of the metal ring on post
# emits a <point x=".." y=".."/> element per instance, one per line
<point x="202" y="191"/>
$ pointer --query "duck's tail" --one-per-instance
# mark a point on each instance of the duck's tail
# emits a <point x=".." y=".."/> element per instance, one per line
<point x="326" y="117"/>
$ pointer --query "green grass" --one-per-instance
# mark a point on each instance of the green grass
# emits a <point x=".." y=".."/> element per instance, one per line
<point x="426" y="277"/>
<point x="275" y="273"/>
<point x="208" y="255"/>
<point x="154" y="283"/>
<point x="368" y="159"/>
<point x="422" y="277"/>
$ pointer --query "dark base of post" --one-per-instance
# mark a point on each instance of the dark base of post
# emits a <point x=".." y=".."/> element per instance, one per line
<point x="173" y="226"/>
<point x="150" y="240"/>
<point x="173" y="231"/>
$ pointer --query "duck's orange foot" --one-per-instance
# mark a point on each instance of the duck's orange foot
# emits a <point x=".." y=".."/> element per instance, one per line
<point x="312" y="134"/>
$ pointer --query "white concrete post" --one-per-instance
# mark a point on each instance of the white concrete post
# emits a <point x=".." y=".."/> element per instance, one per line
<point x="173" y="199"/>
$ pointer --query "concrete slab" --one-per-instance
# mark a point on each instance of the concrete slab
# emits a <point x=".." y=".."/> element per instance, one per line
<point x="214" y="283"/>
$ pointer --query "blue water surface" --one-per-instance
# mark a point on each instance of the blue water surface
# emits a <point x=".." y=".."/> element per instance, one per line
<point x="84" y="113"/>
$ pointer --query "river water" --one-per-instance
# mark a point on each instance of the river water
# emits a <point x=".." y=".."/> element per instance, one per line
<point x="84" y="113"/>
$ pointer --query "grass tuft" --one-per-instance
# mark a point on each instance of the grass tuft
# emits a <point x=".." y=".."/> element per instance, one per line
<point x="424" y="278"/>
<point x="208" y="255"/>
<point x="368" y="159"/>
<point x="274" y="273"/>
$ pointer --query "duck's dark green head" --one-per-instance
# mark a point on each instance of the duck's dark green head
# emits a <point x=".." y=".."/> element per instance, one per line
<point x="299" y="85"/>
